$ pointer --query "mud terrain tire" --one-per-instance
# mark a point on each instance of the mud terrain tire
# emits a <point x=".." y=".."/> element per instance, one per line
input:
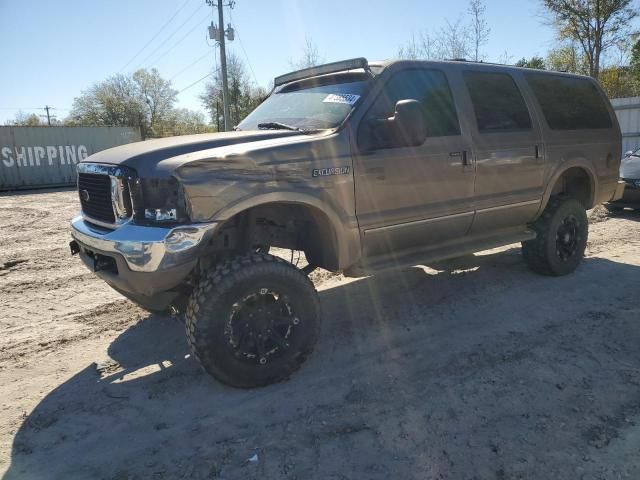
<point x="252" y="320"/>
<point x="562" y="233"/>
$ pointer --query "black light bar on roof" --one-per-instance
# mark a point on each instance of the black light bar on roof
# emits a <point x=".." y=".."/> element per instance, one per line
<point x="321" y="70"/>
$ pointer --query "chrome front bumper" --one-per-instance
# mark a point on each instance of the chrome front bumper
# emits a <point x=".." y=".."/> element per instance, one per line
<point x="144" y="249"/>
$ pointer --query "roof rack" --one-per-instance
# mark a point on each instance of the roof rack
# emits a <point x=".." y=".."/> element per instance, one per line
<point x="321" y="70"/>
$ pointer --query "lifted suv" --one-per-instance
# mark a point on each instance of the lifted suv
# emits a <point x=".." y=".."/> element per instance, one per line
<point x="363" y="167"/>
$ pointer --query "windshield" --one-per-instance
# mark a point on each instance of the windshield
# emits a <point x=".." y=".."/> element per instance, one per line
<point x="317" y="103"/>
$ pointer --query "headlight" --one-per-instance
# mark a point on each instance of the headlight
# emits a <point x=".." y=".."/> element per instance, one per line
<point x="161" y="201"/>
<point x="161" y="214"/>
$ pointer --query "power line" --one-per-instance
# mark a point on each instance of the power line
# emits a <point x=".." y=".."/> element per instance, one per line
<point x="156" y="35"/>
<point x="48" y="115"/>
<point x="198" y="81"/>
<point x="242" y="47"/>
<point x="206" y="54"/>
<point x="197" y="25"/>
<point x="170" y="36"/>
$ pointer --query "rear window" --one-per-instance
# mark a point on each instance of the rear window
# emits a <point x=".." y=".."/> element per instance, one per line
<point x="497" y="102"/>
<point x="569" y="103"/>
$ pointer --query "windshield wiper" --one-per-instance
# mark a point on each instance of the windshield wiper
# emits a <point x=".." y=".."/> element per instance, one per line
<point x="279" y="126"/>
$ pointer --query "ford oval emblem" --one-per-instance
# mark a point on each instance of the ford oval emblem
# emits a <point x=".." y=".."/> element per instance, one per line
<point x="84" y="195"/>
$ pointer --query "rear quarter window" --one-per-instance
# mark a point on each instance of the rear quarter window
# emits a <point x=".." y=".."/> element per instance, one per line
<point x="569" y="103"/>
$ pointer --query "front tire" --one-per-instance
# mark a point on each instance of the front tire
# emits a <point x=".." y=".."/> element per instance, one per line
<point x="252" y="320"/>
<point x="561" y="239"/>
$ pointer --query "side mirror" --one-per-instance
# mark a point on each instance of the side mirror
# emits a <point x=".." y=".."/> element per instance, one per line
<point x="407" y="127"/>
<point x="628" y="154"/>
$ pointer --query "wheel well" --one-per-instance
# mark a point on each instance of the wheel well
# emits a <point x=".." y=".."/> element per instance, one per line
<point x="575" y="182"/>
<point x="283" y="225"/>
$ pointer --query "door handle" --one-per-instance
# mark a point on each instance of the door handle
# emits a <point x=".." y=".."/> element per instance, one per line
<point x="539" y="158"/>
<point x="466" y="160"/>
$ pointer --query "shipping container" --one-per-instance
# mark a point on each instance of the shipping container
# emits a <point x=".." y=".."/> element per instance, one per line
<point x="36" y="157"/>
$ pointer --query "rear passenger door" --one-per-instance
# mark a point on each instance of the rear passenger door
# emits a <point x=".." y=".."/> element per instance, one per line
<point x="508" y="151"/>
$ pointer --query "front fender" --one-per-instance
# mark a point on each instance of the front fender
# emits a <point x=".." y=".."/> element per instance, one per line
<point x="344" y="226"/>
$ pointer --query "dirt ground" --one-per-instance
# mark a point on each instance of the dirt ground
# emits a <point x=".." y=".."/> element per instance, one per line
<point x="471" y="369"/>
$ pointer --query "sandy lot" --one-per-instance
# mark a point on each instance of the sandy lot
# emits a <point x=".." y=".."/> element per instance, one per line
<point x="473" y="369"/>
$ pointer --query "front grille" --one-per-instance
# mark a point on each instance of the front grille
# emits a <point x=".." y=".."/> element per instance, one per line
<point x="95" y="196"/>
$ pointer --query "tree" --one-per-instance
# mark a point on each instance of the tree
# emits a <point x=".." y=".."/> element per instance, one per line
<point x="452" y="40"/>
<point x="143" y="99"/>
<point x="534" y="62"/>
<point x="112" y="102"/>
<point x="423" y="47"/>
<point x="182" y="121"/>
<point x="480" y="29"/>
<point x="156" y="94"/>
<point x="567" y="58"/>
<point x="619" y="82"/>
<point x="243" y="95"/>
<point x="596" y="25"/>
<point x="634" y="63"/>
<point x="23" y="119"/>
<point x="310" y="56"/>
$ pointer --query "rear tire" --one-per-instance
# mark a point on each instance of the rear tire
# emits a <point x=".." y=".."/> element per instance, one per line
<point x="252" y="320"/>
<point x="562" y="233"/>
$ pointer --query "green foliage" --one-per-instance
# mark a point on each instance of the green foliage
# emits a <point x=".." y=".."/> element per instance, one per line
<point x="26" y="120"/>
<point x="567" y="58"/>
<point x="594" y="25"/>
<point x="143" y="99"/>
<point x="619" y="82"/>
<point x="182" y="121"/>
<point x="635" y="59"/>
<point x="243" y="95"/>
<point x="534" y="62"/>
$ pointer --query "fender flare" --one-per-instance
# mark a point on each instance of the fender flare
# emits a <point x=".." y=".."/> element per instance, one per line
<point x="562" y="168"/>
<point x="345" y="228"/>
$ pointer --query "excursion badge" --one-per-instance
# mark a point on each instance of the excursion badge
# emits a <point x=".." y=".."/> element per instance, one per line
<point x="327" y="172"/>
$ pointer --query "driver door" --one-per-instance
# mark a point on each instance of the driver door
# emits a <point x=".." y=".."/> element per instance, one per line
<point x="412" y="197"/>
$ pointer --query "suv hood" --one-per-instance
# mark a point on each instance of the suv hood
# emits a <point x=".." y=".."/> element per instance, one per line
<point x="146" y="157"/>
<point x="630" y="167"/>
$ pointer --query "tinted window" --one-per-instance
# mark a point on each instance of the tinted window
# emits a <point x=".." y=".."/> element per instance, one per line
<point x="431" y="88"/>
<point x="497" y="102"/>
<point x="569" y="103"/>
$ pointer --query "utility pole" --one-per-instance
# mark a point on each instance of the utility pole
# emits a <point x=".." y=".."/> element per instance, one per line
<point x="219" y="33"/>
<point x="47" y="108"/>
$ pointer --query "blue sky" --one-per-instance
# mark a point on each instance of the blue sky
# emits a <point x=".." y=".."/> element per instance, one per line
<point x="51" y="51"/>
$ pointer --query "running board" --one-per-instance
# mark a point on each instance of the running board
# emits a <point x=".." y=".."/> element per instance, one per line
<point x="432" y="254"/>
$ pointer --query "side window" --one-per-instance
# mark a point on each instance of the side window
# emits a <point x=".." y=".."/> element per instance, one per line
<point x="428" y="86"/>
<point x="569" y="103"/>
<point x="497" y="102"/>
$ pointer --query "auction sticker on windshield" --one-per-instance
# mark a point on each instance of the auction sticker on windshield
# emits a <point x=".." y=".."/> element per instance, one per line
<point x="348" y="98"/>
